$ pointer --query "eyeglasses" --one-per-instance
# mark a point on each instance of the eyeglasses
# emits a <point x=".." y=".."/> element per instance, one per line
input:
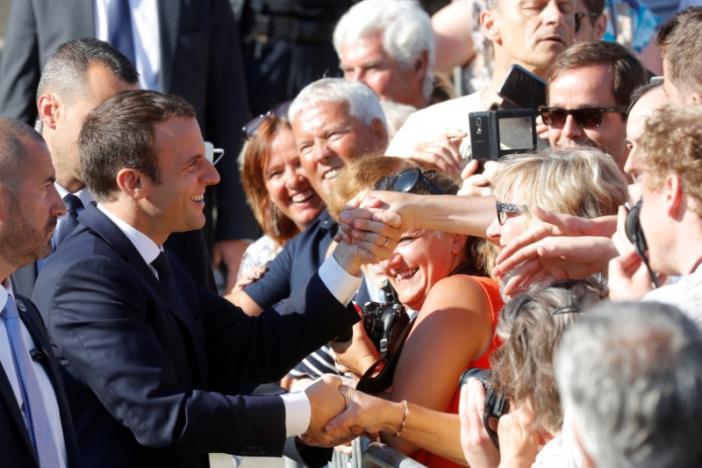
<point x="585" y="117"/>
<point x="580" y="16"/>
<point x="407" y="181"/>
<point x="508" y="210"/>
<point x="280" y="111"/>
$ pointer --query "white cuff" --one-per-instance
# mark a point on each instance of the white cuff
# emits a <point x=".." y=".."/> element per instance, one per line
<point x="297" y="413"/>
<point x="338" y="281"/>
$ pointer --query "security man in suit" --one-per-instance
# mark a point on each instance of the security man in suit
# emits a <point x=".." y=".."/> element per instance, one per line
<point x="36" y="429"/>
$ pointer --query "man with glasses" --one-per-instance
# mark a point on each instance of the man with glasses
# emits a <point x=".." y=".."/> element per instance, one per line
<point x="589" y="90"/>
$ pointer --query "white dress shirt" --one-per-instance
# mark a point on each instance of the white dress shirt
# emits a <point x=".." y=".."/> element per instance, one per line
<point x="83" y="195"/>
<point x="341" y="284"/>
<point x="146" y="38"/>
<point x="47" y="390"/>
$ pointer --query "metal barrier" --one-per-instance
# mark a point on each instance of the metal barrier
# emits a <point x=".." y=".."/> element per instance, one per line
<point x="367" y="454"/>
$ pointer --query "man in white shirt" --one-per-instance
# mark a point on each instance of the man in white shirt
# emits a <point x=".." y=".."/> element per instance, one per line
<point x="36" y="429"/>
<point x="529" y="33"/>
<point x="152" y="359"/>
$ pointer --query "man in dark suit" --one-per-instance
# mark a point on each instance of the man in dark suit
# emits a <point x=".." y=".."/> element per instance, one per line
<point x="149" y="357"/>
<point x="188" y="48"/>
<point x="77" y="77"/>
<point x="36" y="429"/>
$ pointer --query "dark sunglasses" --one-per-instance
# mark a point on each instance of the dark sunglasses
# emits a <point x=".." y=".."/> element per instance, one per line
<point x="585" y="117"/>
<point x="408" y="181"/>
<point x="507" y="210"/>
<point x="280" y="111"/>
<point x="580" y="16"/>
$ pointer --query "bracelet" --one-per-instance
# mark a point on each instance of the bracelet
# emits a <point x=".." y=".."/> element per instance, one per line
<point x="405" y="413"/>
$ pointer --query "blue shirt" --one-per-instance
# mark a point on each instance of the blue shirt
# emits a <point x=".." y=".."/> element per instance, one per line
<point x="295" y="264"/>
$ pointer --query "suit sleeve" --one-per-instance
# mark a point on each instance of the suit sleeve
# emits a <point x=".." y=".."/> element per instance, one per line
<point x="19" y="67"/>
<point x="99" y="320"/>
<point x="274" y="285"/>
<point x="227" y="111"/>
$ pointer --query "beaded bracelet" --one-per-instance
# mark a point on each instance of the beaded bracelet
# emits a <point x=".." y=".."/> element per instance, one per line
<point x="405" y="413"/>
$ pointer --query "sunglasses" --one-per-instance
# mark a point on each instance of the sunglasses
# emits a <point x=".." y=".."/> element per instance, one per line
<point x="508" y="210"/>
<point x="585" y="117"/>
<point x="408" y="181"/>
<point x="280" y="111"/>
<point x="580" y="16"/>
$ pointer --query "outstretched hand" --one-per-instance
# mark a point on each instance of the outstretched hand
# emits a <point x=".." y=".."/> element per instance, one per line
<point x="325" y="402"/>
<point x="365" y="414"/>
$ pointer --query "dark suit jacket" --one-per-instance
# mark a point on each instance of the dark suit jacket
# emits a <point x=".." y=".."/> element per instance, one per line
<point x="201" y="61"/>
<point x="148" y="369"/>
<point x="15" y="445"/>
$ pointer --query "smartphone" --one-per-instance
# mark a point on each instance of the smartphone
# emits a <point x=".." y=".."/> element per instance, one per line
<point x="523" y="89"/>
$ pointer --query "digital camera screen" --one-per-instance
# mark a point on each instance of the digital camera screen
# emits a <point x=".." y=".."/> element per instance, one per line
<point x="515" y="133"/>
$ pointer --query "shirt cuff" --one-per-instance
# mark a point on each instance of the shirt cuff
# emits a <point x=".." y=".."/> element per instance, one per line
<point x="297" y="413"/>
<point x="338" y="281"/>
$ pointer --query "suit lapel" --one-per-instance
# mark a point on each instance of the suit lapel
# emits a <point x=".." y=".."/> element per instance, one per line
<point x="169" y="23"/>
<point x="8" y="395"/>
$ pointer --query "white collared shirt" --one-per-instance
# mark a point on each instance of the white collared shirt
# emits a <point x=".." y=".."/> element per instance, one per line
<point x="146" y="37"/>
<point x="47" y="390"/>
<point x="341" y="284"/>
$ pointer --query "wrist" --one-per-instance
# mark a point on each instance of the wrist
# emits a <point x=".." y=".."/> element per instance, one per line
<point x="347" y="259"/>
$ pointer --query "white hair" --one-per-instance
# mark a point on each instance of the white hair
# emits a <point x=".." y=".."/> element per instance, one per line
<point x="362" y="102"/>
<point x="404" y="25"/>
<point x="396" y="115"/>
<point x="630" y="379"/>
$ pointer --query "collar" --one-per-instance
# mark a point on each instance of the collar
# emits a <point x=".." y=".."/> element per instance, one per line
<point x="5" y="291"/>
<point x="146" y="247"/>
<point x="83" y="194"/>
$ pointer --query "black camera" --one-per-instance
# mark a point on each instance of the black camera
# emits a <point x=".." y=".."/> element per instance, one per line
<point x="511" y="128"/>
<point x="632" y="228"/>
<point x="385" y="321"/>
<point x="496" y="403"/>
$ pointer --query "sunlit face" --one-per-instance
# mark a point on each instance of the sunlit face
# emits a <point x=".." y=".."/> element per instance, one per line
<point x="420" y="260"/>
<point x="101" y="84"/>
<point x="328" y="138"/>
<point x="655" y="229"/>
<point x="589" y="86"/>
<point x="286" y="182"/>
<point x="32" y="209"/>
<point x="534" y="32"/>
<point x="636" y="122"/>
<point x="176" y="202"/>
<point x="365" y="60"/>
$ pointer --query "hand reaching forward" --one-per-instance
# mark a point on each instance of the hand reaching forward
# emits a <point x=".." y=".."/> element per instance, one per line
<point x="365" y="413"/>
<point x="325" y="402"/>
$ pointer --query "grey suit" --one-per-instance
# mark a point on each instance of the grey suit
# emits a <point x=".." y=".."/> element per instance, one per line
<point x="201" y="61"/>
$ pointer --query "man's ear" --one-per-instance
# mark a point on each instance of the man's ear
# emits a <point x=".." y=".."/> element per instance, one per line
<point x="674" y="196"/>
<point x="131" y="182"/>
<point x="696" y="98"/>
<point x="458" y="243"/>
<point x="490" y="26"/>
<point x="600" y="26"/>
<point x="49" y="109"/>
<point x="421" y="65"/>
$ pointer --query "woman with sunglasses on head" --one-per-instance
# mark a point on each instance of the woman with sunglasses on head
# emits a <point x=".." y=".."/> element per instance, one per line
<point x="277" y="190"/>
<point x="437" y="275"/>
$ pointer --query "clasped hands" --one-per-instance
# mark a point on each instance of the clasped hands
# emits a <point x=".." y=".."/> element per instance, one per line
<point x="340" y="413"/>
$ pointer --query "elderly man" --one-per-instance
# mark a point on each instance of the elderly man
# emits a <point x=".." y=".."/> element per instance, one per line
<point x="389" y="46"/>
<point x="151" y="358"/>
<point x="630" y="378"/>
<point x="530" y="34"/>
<point x="589" y="90"/>
<point x="77" y="77"/>
<point x="334" y="121"/>
<point x="35" y="420"/>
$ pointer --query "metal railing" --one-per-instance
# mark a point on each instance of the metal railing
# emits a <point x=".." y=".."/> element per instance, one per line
<point x="367" y="454"/>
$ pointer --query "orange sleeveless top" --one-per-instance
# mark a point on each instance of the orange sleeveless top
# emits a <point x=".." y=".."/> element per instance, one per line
<point x="492" y="291"/>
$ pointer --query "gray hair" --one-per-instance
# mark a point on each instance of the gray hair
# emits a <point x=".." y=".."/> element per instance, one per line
<point x="405" y="27"/>
<point x="630" y="378"/>
<point x="363" y="104"/>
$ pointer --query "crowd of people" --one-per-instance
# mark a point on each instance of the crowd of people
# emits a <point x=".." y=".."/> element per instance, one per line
<point x="541" y="308"/>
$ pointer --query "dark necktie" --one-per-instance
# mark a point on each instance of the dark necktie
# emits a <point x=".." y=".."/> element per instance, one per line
<point x="163" y="268"/>
<point x="119" y="28"/>
<point x="33" y="408"/>
<point x="69" y="223"/>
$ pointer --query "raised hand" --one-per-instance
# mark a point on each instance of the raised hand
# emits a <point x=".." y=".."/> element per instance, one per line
<point x="478" y="184"/>
<point x="442" y="153"/>
<point x="478" y="448"/>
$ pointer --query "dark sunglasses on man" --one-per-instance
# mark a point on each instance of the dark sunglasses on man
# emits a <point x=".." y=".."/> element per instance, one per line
<point x="407" y="181"/>
<point x="585" y="117"/>
<point x="280" y="111"/>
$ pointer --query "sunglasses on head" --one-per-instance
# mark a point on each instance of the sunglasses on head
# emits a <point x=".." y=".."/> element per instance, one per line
<point x="585" y="117"/>
<point x="407" y="181"/>
<point x="280" y="111"/>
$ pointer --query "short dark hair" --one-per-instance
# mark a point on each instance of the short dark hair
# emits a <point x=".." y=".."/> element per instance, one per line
<point x="13" y="151"/>
<point x="66" y="68"/>
<point x="119" y="134"/>
<point x="594" y="7"/>
<point x="680" y="41"/>
<point x="627" y="71"/>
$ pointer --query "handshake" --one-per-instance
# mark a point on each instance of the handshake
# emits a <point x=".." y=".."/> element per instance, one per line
<point x="340" y="413"/>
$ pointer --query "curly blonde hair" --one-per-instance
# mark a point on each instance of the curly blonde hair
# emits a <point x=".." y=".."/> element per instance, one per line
<point x="672" y="143"/>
